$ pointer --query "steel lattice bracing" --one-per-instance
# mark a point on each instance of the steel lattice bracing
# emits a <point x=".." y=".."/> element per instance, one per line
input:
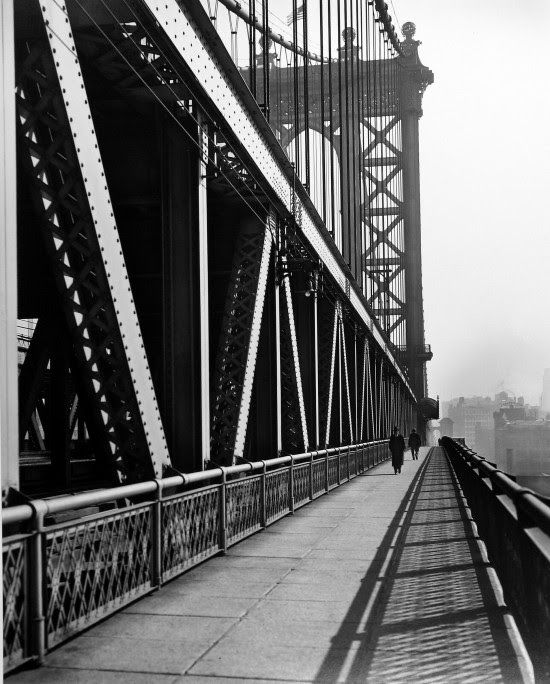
<point x="238" y="345"/>
<point x="187" y="262"/>
<point x="293" y="418"/>
<point x="384" y="256"/>
<point x="82" y="272"/>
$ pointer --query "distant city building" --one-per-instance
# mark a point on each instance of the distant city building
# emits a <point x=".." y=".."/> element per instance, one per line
<point x="507" y="431"/>
<point x="485" y="441"/>
<point x="474" y="418"/>
<point x="446" y="427"/>
<point x="522" y="449"/>
<point x="470" y="413"/>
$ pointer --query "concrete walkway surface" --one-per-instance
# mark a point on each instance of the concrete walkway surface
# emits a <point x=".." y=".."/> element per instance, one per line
<point x="381" y="581"/>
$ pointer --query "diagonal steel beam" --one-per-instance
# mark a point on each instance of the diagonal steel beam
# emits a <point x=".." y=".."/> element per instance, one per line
<point x="296" y="361"/>
<point x="332" y="368"/>
<point x="364" y="396"/>
<point x="239" y="338"/>
<point x="346" y="377"/>
<point x="255" y="328"/>
<point x="141" y="405"/>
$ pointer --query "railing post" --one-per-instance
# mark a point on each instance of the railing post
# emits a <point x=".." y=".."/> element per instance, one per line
<point x="291" y="487"/>
<point x="37" y="588"/>
<point x="311" y="476"/>
<point x="223" y="511"/>
<point x="157" y="536"/>
<point x="339" y="454"/>
<point x="263" y="503"/>
<point x="347" y="460"/>
<point x="326" y="472"/>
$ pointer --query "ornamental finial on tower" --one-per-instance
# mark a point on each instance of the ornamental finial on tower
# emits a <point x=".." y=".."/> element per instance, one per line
<point x="408" y="30"/>
<point x="348" y="49"/>
<point x="348" y="34"/>
<point x="409" y="46"/>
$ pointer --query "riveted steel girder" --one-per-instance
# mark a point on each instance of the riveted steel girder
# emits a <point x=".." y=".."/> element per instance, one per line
<point x="79" y="231"/>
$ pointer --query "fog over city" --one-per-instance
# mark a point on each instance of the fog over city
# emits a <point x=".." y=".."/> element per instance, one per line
<point x="485" y="174"/>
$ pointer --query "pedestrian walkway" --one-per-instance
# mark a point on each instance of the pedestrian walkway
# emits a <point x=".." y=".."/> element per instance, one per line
<point x="381" y="581"/>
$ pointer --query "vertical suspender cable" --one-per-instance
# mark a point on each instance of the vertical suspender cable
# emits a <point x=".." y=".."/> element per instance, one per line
<point x="266" y="57"/>
<point x="331" y="127"/>
<point x="306" y="96"/>
<point x="322" y="114"/>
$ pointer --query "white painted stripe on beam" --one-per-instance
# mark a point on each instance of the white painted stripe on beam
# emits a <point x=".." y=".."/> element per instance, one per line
<point x="75" y="98"/>
<point x="255" y="329"/>
<point x="296" y="359"/>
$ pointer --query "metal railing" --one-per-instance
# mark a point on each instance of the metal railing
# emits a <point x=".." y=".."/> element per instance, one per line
<point x="514" y="523"/>
<point x="61" y="577"/>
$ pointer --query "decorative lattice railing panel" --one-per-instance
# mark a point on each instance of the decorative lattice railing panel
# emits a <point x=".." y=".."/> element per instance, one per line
<point x="94" y="568"/>
<point x="301" y="484"/>
<point x="319" y="478"/>
<point x="190" y="529"/>
<point x="243" y="502"/>
<point x="277" y="494"/>
<point x="333" y="471"/>
<point x="353" y="463"/>
<point x="343" y="458"/>
<point x="14" y="562"/>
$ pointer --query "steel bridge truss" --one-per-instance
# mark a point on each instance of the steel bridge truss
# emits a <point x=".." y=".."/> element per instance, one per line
<point x="257" y="339"/>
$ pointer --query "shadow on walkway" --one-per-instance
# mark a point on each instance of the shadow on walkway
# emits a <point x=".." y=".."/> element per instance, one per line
<point x="426" y="610"/>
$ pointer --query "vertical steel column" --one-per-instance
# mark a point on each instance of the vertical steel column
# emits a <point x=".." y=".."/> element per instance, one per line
<point x="340" y="402"/>
<point x="9" y="424"/>
<point x="380" y="377"/>
<point x="185" y="371"/>
<point x="296" y="360"/>
<point x="316" y="362"/>
<point x="412" y="232"/>
<point x="358" y="434"/>
<point x="204" y="323"/>
<point x="414" y="78"/>
<point x="278" y="389"/>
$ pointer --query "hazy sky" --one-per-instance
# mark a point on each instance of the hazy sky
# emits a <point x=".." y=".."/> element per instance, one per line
<point x="485" y="189"/>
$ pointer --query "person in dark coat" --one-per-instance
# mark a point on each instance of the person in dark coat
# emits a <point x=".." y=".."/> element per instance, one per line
<point x="414" y="444"/>
<point x="397" y="448"/>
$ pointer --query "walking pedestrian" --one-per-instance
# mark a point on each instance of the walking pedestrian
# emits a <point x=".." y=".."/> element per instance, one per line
<point x="414" y="444"/>
<point x="397" y="448"/>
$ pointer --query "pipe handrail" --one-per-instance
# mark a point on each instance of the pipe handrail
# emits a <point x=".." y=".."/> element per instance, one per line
<point x="531" y="505"/>
<point x="514" y="524"/>
<point x="67" y="502"/>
